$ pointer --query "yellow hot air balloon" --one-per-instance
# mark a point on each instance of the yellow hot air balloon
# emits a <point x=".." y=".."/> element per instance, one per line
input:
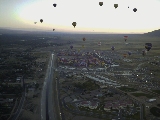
<point x="115" y="5"/>
<point x="74" y="24"/>
<point x="100" y="3"/>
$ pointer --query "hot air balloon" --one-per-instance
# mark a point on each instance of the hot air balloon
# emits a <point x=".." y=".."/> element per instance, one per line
<point x="99" y="43"/>
<point x="71" y="47"/>
<point x="100" y="3"/>
<point x="134" y="9"/>
<point x="125" y="38"/>
<point x="112" y="48"/>
<point x="53" y="29"/>
<point x="41" y="20"/>
<point x="148" y="46"/>
<point x="35" y="22"/>
<point x="84" y="39"/>
<point x="124" y="55"/>
<point x="129" y="53"/>
<point x="144" y="52"/>
<point x="115" y="5"/>
<point x="54" y="4"/>
<point x="74" y="24"/>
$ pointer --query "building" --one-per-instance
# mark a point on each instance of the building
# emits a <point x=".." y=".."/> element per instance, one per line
<point x="93" y="105"/>
<point x="108" y="106"/>
<point x="85" y="103"/>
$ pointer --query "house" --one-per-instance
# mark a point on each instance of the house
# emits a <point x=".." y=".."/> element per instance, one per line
<point x="122" y="105"/>
<point x="85" y="103"/>
<point x="115" y="106"/>
<point x="93" y="105"/>
<point x="18" y="79"/>
<point x="108" y="106"/>
<point x="129" y="103"/>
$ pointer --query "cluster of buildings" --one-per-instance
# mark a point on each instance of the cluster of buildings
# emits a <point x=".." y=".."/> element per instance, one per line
<point x="117" y="104"/>
<point x="108" y="106"/>
<point x="89" y="104"/>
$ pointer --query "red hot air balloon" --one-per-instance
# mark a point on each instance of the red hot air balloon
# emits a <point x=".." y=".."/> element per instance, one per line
<point x="125" y="38"/>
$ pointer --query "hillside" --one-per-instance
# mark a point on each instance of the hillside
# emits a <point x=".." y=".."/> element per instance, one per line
<point x="155" y="33"/>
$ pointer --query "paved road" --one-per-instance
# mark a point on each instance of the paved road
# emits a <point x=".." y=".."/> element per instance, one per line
<point x="46" y="98"/>
<point x="49" y="99"/>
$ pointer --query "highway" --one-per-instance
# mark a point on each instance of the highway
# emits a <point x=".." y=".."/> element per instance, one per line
<point x="46" y="99"/>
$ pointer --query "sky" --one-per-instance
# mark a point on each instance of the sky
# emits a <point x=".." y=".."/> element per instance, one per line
<point x="88" y="14"/>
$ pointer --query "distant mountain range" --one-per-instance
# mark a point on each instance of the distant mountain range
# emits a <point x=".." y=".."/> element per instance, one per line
<point x="18" y="31"/>
<point x="155" y="33"/>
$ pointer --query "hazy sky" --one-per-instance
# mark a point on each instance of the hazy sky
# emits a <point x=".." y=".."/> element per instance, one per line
<point x="88" y="15"/>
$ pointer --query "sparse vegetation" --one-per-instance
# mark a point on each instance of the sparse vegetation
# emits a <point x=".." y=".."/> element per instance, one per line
<point x="142" y="94"/>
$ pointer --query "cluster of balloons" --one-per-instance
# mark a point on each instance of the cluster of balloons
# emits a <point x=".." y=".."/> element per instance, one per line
<point x="116" y="5"/>
<point x="74" y="23"/>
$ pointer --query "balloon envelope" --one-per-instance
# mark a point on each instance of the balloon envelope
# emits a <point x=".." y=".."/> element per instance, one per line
<point x="129" y="53"/>
<point x="134" y="9"/>
<point x="71" y="46"/>
<point x="41" y="20"/>
<point x="74" y="24"/>
<point x="115" y="5"/>
<point x="148" y="46"/>
<point x="54" y="5"/>
<point x="125" y="38"/>
<point x="100" y="3"/>
<point x="124" y="55"/>
<point x="112" y="47"/>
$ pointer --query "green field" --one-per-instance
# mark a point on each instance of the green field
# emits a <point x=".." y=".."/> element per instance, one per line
<point x="156" y="91"/>
<point x="155" y="111"/>
<point x="127" y="89"/>
<point x="142" y="94"/>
